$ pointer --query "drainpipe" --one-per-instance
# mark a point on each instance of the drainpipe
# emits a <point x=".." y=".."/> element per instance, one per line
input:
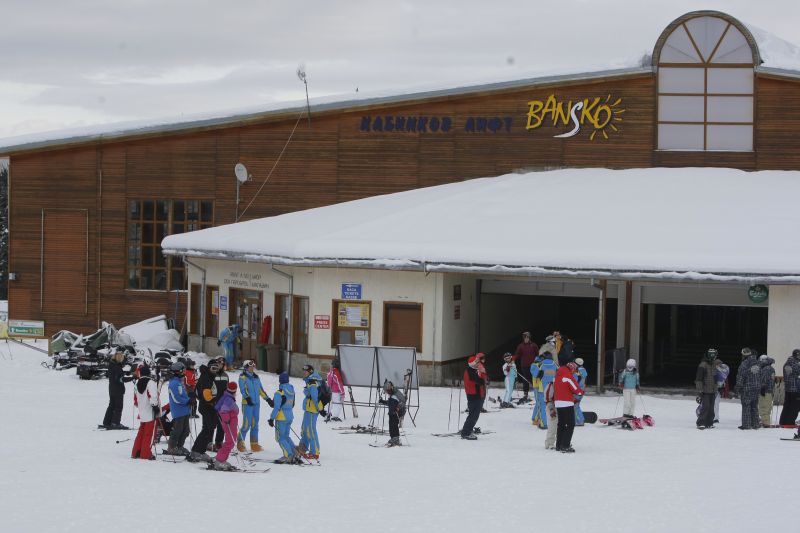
<point x="602" y="286"/>
<point x="291" y="315"/>
<point x="202" y="302"/>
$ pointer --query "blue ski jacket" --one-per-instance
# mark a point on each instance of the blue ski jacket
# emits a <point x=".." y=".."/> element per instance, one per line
<point x="178" y="398"/>
<point x="284" y="402"/>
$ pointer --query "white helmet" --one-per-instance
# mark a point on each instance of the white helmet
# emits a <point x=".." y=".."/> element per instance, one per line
<point x="631" y="364"/>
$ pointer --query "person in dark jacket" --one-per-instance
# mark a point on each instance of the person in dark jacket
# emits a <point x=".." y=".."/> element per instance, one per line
<point x="393" y="406"/>
<point x="207" y="396"/>
<point x="475" y="381"/>
<point x="117" y="378"/>
<point x="748" y="385"/>
<point x="525" y="355"/>
<point x="706" y="385"/>
<point x="221" y="380"/>
<point x="791" y="380"/>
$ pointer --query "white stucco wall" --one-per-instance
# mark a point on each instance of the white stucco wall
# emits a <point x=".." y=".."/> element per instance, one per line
<point x="783" y="329"/>
<point x="457" y="334"/>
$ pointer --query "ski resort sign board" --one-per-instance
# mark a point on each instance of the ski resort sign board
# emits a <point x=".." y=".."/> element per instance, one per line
<point x="26" y="328"/>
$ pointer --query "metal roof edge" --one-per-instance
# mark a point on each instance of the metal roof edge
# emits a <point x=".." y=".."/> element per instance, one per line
<point x="230" y="120"/>
<point x="779" y="73"/>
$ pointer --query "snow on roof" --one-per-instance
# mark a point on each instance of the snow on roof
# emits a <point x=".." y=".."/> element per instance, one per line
<point x="779" y="58"/>
<point x="679" y="223"/>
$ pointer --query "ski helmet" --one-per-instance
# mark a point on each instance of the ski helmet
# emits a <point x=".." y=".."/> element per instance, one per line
<point x="579" y="361"/>
<point x="177" y="368"/>
<point x="747" y="352"/>
<point x="711" y="354"/>
<point x="507" y="356"/>
<point x="796" y="352"/>
<point x="144" y="370"/>
<point x="630" y="363"/>
<point x="214" y="365"/>
<point x="308" y="368"/>
<point x="249" y="364"/>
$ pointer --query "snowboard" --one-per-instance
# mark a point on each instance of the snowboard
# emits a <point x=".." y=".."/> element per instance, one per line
<point x="612" y="421"/>
<point x="589" y="417"/>
<point x="793" y="438"/>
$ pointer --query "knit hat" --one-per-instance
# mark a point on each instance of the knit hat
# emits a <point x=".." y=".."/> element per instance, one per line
<point x="631" y="363"/>
<point x="283" y="378"/>
<point x="763" y="358"/>
<point x="144" y="370"/>
<point x="472" y="362"/>
<point x="747" y="352"/>
<point x="232" y="387"/>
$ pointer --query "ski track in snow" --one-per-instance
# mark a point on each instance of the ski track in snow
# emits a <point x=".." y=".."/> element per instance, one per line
<point x="57" y="475"/>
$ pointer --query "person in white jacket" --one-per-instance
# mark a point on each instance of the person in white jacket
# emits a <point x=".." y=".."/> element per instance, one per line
<point x="146" y="398"/>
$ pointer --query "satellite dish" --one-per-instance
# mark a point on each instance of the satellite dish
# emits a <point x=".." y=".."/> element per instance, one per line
<point x="241" y="172"/>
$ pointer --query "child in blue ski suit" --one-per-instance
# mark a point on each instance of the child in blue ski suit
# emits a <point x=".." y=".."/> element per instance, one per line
<point x="309" y="440"/>
<point x="547" y="374"/>
<point x="252" y="392"/>
<point x="281" y="419"/>
<point x="580" y="378"/>
<point x="227" y="339"/>
<point x="510" y="372"/>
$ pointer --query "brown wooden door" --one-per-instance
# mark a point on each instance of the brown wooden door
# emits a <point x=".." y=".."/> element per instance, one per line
<point x="65" y="259"/>
<point x="247" y="306"/>
<point x="402" y="325"/>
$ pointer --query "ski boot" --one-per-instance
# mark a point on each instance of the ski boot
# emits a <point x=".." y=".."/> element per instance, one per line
<point x="195" y="457"/>
<point x="522" y="400"/>
<point x="118" y="426"/>
<point x="255" y="447"/>
<point x="240" y="446"/>
<point x="471" y="436"/>
<point x="394" y="441"/>
<point x="224" y="466"/>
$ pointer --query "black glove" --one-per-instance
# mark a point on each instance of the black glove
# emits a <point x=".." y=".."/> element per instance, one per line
<point x="540" y="374"/>
<point x="219" y="343"/>
<point x="271" y="423"/>
<point x="324" y="412"/>
<point x="156" y="411"/>
<point x="699" y="399"/>
<point x="248" y="401"/>
<point x="269" y="401"/>
<point x="384" y="402"/>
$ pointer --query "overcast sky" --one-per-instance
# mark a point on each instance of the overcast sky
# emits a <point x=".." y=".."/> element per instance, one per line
<point x="72" y="63"/>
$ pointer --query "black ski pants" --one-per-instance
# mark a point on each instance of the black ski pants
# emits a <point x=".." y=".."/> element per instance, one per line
<point x="791" y="406"/>
<point x="394" y="425"/>
<point x="525" y="378"/>
<point x="566" y="425"/>
<point x="706" y="418"/>
<point x="179" y="432"/>
<point x="474" y="406"/>
<point x="210" y="420"/>
<point x="114" y="409"/>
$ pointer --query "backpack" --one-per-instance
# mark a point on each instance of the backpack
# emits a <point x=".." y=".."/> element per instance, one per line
<point x="401" y="403"/>
<point x="323" y="392"/>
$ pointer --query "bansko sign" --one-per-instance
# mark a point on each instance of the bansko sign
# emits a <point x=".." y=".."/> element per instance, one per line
<point x="600" y="114"/>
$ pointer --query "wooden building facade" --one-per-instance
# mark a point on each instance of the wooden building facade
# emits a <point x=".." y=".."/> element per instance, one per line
<point x="87" y="213"/>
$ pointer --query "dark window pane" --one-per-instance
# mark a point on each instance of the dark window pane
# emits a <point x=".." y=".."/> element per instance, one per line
<point x="147" y="233"/>
<point x="178" y="210"/>
<point x="192" y="207"/>
<point x="177" y="280"/>
<point x="176" y="229"/>
<point x="133" y="278"/>
<point x="192" y="227"/>
<point x="133" y="256"/>
<point x="147" y="256"/>
<point x="134" y="211"/>
<point x="160" y="259"/>
<point x="162" y="210"/>
<point x="134" y="232"/>
<point x="147" y="210"/>
<point x="161" y="232"/>
<point x="160" y="280"/>
<point x="147" y="279"/>
<point x="207" y="211"/>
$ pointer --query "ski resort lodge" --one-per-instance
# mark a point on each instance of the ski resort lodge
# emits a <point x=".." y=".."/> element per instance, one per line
<point x="648" y="212"/>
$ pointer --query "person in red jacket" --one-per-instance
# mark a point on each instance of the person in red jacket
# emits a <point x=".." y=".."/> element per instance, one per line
<point x="525" y="355"/>
<point x="475" y="381"/>
<point x="566" y="391"/>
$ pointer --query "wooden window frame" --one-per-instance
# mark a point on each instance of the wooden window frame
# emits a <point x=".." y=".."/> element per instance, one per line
<point x="335" y="328"/>
<point x="415" y="305"/>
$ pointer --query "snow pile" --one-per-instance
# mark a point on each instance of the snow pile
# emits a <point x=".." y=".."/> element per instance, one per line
<point x="61" y="476"/>
<point x="154" y="334"/>
<point x="688" y="223"/>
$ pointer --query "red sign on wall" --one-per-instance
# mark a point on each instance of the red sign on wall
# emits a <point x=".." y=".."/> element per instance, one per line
<point x="322" y="321"/>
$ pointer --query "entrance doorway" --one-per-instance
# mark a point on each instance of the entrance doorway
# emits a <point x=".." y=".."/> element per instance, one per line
<point x="247" y="306"/>
<point x="402" y="325"/>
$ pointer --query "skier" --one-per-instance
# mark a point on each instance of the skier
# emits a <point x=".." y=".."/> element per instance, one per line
<point x="510" y="372"/>
<point x="252" y="392"/>
<point x="706" y="386"/>
<point x="309" y="439"/>
<point x="552" y="418"/>
<point x="547" y="373"/>
<point x="207" y="396"/>
<point x="629" y="385"/>
<point x="221" y="380"/>
<point x="117" y="378"/>
<point x="767" y="379"/>
<point x="335" y="382"/>
<point x="281" y="419"/>
<point x="180" y="410"/>
<point x="229" y="415"/>
<point x="748" y="385"/>
<point x="148" y="404"/>
<point x="791" y="378"/>
<point x="228" y="337"/>
<point x="580" y="379"/>
<point x="720" y="376"/>
<point x="475" y="388"/>
<point x="394" y="405"/>
<point x="526" y="353"/>
<point x="190" y="377"/>
<point x="565" y="394"/>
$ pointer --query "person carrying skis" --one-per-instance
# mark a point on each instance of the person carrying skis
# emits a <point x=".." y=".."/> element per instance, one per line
<point x="147" y="402"/>
<point x="228" y="337"/>
<point x="312" y="407"/>
<point x="706" y="385"/>
<point x="190" y="378"/>
<point x="767" y="379"/>
<point x="281" y="419"/>
<point x="629" y="386"/>
<point x="252" y="393"/>
<point x="748" y="385"/>
<point x="791" y="379"/>
<point x="720" y="376"/>
<point x="525" y="353"/>
<point x="580" y="379"/>
<point x="221" y="380"/>
<point x="180" y="410"/>
<point x="566" y="393"/>
<point x="393" y="407"/>
<point x="336" y="383"/>
<point x="207" y="396"/>
<point x="229" y="415"/>
<point x="510" y="372"/>
<point x="475" y="388"/>
<point x="547" y="373"/>
<point x="117" y="378"/>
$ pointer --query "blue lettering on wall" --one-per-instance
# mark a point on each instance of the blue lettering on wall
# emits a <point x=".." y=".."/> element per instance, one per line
<point x="487" y="124"/>
<point x="428" y="124"/>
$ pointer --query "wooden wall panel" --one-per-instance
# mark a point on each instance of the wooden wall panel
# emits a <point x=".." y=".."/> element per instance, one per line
<point x="778" y="124"/>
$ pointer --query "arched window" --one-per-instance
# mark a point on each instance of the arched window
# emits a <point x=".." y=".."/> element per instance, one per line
<point x="705" y="84"/>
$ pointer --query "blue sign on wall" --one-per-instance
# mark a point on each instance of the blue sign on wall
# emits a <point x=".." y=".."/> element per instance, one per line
<point x="223" y="303"/>
<point x="351" y="291"/>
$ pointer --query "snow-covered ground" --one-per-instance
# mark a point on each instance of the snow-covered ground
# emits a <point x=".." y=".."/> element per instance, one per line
<point x="57" y="474"/>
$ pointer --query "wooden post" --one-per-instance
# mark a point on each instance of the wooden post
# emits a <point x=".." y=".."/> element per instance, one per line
<point x="601" y="333"/>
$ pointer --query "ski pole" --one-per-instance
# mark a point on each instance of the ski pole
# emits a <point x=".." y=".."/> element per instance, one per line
<point x="123" y="440"/>
<point x="450" y="411"/>
<point x="299" y="440"/>
<point x="459" y="407"/>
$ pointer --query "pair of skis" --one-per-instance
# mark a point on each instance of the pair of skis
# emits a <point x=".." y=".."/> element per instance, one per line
<point x="626" y="422"/>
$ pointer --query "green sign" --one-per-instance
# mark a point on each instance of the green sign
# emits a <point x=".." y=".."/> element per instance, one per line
<point x="26" y="328"/>
<point x="758" y="293"/>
